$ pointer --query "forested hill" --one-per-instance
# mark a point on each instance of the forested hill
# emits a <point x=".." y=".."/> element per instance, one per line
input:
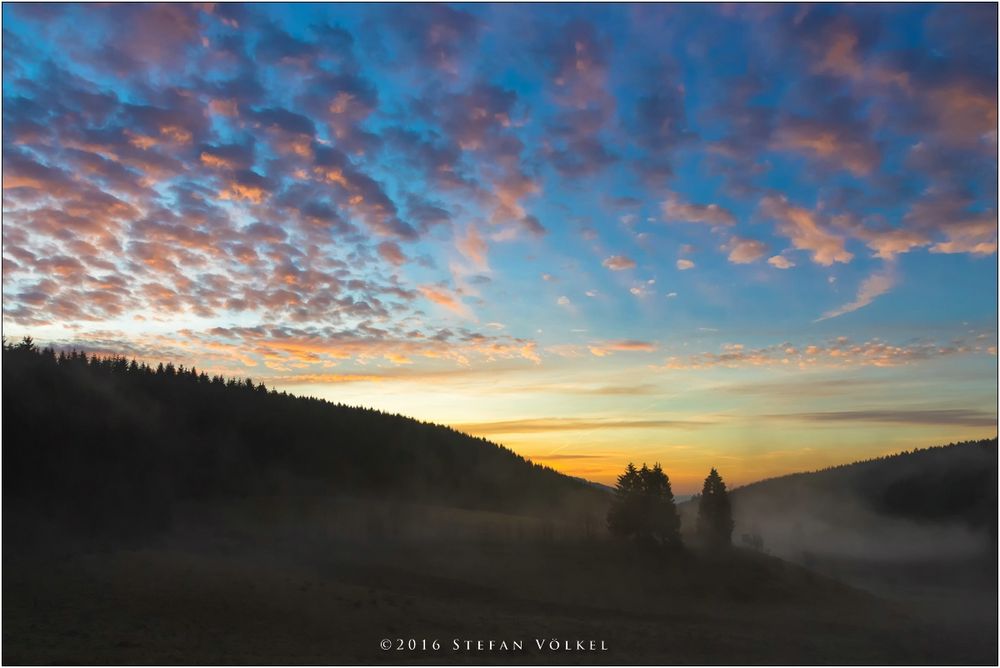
<point x="944" y="484"/>
<point x="98" y="441"/>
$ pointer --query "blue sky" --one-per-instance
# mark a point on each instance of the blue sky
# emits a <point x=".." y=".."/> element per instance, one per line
<point x="752" y="234"/>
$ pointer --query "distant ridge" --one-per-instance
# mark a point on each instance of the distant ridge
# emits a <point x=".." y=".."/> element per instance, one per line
<point x="897" y="456"/>
<point x="598" y="485"/>
<point x="936" y="504"/>
<point x="948" y="483"/>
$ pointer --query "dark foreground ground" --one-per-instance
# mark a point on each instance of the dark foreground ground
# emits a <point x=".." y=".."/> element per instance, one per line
<point x="225" y="590"/>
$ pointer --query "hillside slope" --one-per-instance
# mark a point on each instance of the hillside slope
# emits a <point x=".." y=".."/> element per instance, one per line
<point x="919" y="521"/>
<point x="923" y="501"/>
<point x="105" y="445"/>
<point x="913" y="504"/>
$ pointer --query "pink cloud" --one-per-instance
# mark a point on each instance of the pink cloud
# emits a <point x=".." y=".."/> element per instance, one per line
<point x="619" y="263"/>
<point x="806" y="231"/>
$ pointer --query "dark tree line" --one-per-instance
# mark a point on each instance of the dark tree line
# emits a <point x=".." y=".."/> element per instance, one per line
<point x="111" y="444"/>
<point x="644" y="509"/>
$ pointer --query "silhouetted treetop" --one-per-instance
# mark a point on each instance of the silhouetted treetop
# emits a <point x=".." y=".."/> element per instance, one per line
<point x="644" y="508"/>
<point x="715" y="515"/>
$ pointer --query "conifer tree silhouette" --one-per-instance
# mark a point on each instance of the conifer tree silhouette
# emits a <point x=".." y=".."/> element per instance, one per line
<point x="644" y="508"/>
<point x="624" y="514"/>
<point x="715" y="516"/>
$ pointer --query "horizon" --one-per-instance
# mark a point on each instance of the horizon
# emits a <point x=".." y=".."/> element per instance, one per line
<point x="756" y="238"/>
<point x="679" y="496"/>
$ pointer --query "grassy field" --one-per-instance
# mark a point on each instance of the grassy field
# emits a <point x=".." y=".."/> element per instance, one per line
<point x="244" y="586"/>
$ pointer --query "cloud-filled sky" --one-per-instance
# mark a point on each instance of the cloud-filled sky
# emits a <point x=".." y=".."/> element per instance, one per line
<point x="757" y="237"/>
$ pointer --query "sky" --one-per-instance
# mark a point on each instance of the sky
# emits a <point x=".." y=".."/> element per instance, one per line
<point x="756" y="237"/>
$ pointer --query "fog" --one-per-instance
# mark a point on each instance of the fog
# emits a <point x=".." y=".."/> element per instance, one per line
<point x="796" y="533"/>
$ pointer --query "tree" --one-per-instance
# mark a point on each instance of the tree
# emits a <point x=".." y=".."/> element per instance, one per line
<point x="644" y="507"/>
<point x="663" y="524"/>
<point x="27" y="345"/>
<point x="715" y="516"/>
<point x="624" y="514"/>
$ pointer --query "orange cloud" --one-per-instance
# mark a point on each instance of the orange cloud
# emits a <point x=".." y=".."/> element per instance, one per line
<point x="975" y="234"/>
<point x="473" y="247"/>
<point x="830" y="142"/>
<point x="176" y="134"/>
<point x="745" y="251"/>
<point x="445" y="298"/>
<point x="840" y="352"/>
<point x="215" y="161"/>
<point x="239" y="191"/>
<point x="604" y="348"/>
<point x="536" y="425"/>
<point x="712" y="214"/>
<point x="805" y="231"/>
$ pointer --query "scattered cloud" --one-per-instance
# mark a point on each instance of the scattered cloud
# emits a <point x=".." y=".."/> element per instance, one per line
<point x="806" y="231"/>
<point x="745" y="251"/>
<point x="445" y="298"/>
<point x="839" y="352"/>
<point x="619" y="263"/>
<point x="918" y="416"/>
<point x="675" y="210"/>
<point x="780" y="262"/>
<point x="874" y="286"/>
<point x="605" y="348"/>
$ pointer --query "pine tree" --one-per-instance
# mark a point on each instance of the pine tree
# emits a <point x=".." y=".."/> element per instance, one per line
<point x="715" y="516"/>
<point x="663" y="524"/>
<point x="644" y="508"/>
<point x="624" y="514"/>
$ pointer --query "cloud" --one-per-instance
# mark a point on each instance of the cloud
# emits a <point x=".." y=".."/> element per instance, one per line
<point x="917" y="416"/>
<point x="218" y="163"/>
<point x="711" y="214"/>
<point x="561" y="456"/>
<point x="974" y="234"/>
<point x="619" y="263"/>
<point x="605" y="348"/>
<point x="890" y="242"/>
<point x="832" y="140"/>
<point x="684" y="265"/>
<point x="445" y="298"/>
<point x="576" y="56"/>
<point x="874" y="286"/>
<point x="838" y="352"/>
<point x="806" y="231"/>
<point x="533" y="226"/>
<point x="391" y="253"/>
<point x="745" y="251"/>
<point x="541" y="425"/>
<point x="305" y="355"/>
<point x="473" y="247"/>
<point x="435" y="36"/>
